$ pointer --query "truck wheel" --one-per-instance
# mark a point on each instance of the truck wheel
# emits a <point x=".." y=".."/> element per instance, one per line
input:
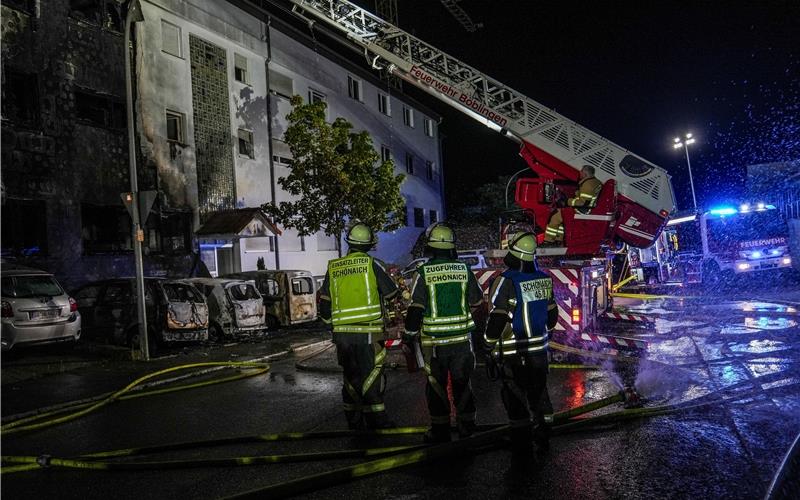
<point x="712" y="277"/>
<point x="215" y="334"/>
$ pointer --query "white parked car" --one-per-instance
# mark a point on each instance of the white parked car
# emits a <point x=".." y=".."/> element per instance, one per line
<point x="35" y="309"/>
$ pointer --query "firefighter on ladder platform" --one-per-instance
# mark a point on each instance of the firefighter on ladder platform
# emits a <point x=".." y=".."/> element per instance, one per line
<point x="522" y="296"/>
<point x="585" y="198"/>
<point x="351" y="299"/>
<point x="440" y="317"/>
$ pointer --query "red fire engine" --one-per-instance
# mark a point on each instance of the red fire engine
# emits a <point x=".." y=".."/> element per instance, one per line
<point x="632" y="206"/>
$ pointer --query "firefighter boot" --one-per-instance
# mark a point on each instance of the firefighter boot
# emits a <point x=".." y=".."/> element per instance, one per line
<point x="466" y="428"/>
<point x="355" y="422"/>
<point x="521" y="439"/>
<point x="541" y="437"/>
<point x="438" y="433"/>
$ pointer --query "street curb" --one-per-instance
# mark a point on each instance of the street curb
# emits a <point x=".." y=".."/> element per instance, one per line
<point x="156" y="383"/>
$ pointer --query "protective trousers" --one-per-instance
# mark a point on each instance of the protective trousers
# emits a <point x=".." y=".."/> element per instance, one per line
<point x="364" y="384"/>
<point x="555" y="227"/>
<point x="458" y="361"/>
<point x="525" y="396"/>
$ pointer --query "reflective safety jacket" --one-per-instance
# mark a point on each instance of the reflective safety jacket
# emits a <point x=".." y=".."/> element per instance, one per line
<point x="355" y="300"/>
<point x="527" y="298"/>
<point x="586" y="195"/>
<point x="447" y="318"/>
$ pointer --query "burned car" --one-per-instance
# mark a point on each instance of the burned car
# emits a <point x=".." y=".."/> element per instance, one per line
<point x="235" y="307"/>
<point x="289" y="296"/>
<point x="176" y="311"/>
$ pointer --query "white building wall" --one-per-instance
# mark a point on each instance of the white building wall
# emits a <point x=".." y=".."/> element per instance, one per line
<point x="164" y="82"/>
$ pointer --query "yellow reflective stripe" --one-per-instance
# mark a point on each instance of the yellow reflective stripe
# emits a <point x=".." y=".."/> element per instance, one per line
<point x="524" y="349"/>
<point x="336" y="317"/>
<point x="445" y="319"/>
<point x="587" y="195"/>
<point x="453" y="339"/>
<point x="365" y="308"/>
<point x="462" y="325"/>
<point x="358" y="328"/>
<point x="373" y="408"/>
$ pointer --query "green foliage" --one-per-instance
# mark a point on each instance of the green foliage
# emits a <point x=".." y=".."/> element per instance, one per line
<point x="335" y="175"/>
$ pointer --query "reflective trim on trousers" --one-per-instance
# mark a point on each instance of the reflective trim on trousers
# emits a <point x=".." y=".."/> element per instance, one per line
<point x="445" y="319"/>
<point x="523" y="350"/>
<point x="378" y="328"/>
<point x="373" y="408"/>
<point x="376" y="371"/>
<point x="437" y="388"/>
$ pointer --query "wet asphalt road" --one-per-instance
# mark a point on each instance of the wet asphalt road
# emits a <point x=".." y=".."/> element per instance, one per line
<point x="697" y="346"/>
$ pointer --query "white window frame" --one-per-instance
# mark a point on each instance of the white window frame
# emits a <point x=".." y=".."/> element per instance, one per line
<point x="355" y="88"/>
<point x="315" y="95"/>
<point x="429" y="169"/>
<point x="428" y="126"/>
<point x="408" y="117"/>
<point x="164" y="23"/>
<point x="240" y="62"/>
<point x="181" y="118"/>
<point x="384" y="104"/>
<point x="410" y="163"/>
<point x="386" y="152"/>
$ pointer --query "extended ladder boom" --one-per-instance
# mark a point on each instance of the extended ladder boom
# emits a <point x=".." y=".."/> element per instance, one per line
<point x="554" y="146"/>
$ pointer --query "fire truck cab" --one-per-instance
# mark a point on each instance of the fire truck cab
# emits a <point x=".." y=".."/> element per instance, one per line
<point x="713" y="246"/>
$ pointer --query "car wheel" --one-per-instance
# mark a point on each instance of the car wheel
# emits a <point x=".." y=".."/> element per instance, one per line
<point x="215" y="334"/>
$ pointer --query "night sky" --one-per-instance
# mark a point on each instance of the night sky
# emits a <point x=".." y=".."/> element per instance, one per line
<point x="638" y="73"/>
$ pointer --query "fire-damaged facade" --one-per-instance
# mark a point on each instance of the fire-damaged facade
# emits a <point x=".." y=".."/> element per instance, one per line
<point x="212" y="82"/>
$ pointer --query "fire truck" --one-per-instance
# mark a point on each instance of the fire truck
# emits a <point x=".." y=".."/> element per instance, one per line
<point x="632" y="207"/>
<point x="713" y="246"/>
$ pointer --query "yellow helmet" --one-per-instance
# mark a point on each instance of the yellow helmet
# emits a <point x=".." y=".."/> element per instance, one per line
<point x="360" y="234"/>
<point x="523" y="246"/>
<point x="441" y="236"/>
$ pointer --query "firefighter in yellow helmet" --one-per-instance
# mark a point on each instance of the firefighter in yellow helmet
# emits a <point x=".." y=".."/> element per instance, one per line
<point x="522" y="296"/>
<point x="585" y="198"/>
<point x="443" y="293"/>
<point x="352" y="302"/>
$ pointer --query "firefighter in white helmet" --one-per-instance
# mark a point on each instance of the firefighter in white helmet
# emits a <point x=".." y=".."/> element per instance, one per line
<point x="352" y="301"/>
<point x="443" y="293"/>
<point x="523" y="297"/>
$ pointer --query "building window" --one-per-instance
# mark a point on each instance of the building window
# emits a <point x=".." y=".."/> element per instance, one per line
<point x="20" y="98"/>
<point x="291" y="241"/>
<point x="246" y="143"/>
<point x="386" y="153"/>
<point x="408" y="117"/>
<point x="99" y="111"/>
<point x="105" y="229"/>
<point x="174" y="232"/>
<point x="24" y="227"/>
<point x="434" y="215"/>
<point x="419" y="217"/>
<point x="384" y="104"/>
<point x="176" y="126"/>
<point x="315" y="96"/>
<point x="282" y="161"/>
<point x="326" y="243"/>
<point x="240" y="69"/>
<point x="281" y="84"/>
<point x="410" y="163"/>
<point x="429" y="129"/>
<point x="354" y="89"/>
<point x="429" y="169"/>
<point x="171" y="38"/>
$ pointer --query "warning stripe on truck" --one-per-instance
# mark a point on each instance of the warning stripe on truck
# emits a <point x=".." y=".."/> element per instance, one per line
<point x="628" y="317"/>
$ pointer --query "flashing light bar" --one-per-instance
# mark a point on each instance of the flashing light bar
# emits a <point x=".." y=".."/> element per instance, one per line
<point x="722" y="211"/>
<point x="744" y="265"/>
<point x="680" y="220"/>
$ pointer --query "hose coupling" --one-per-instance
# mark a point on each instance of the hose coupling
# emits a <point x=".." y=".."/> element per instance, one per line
<point x="44" y="460"/>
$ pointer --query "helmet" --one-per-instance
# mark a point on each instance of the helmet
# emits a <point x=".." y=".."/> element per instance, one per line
<point x="360" y="234"/>
<point x="441" y="237"/>
<point x="523" y="246"/>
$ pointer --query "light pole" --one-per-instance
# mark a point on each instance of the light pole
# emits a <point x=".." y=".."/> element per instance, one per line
<point x="684" y="143"/>
<point x="509" y="183"/>
<point x="135" y="15"/>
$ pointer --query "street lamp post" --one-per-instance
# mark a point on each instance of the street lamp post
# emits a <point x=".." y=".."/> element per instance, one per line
<point x="135" y="15"/>
<point x="684" y="143"/>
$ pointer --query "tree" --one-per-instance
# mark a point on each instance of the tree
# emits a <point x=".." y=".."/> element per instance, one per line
<point x="335" y="176"/>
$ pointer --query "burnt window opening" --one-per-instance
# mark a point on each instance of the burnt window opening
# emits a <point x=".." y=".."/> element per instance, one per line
<point x="26" y="6"/>
<point x="24" y="228"/>
<point x="169" y="233"/>
<point x="21" y="98"/>
<point x="434" y="215"/>
<point x="102" y="13"/>
<point x="99" y="111"/>
<point x="105" y="229"/>
<point x="419" y="217"/>
<point x="410" y="163"/>
<point x="240" y="69"/>
<point x="246" y="143"/>
<point x="176" y="127"/>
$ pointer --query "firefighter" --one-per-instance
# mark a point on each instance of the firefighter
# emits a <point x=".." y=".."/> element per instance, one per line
<point x="523" y="297"/>
<point x="442" y="294"/>
<point x="585" y="198"/>
<point x="352" y="301"/>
